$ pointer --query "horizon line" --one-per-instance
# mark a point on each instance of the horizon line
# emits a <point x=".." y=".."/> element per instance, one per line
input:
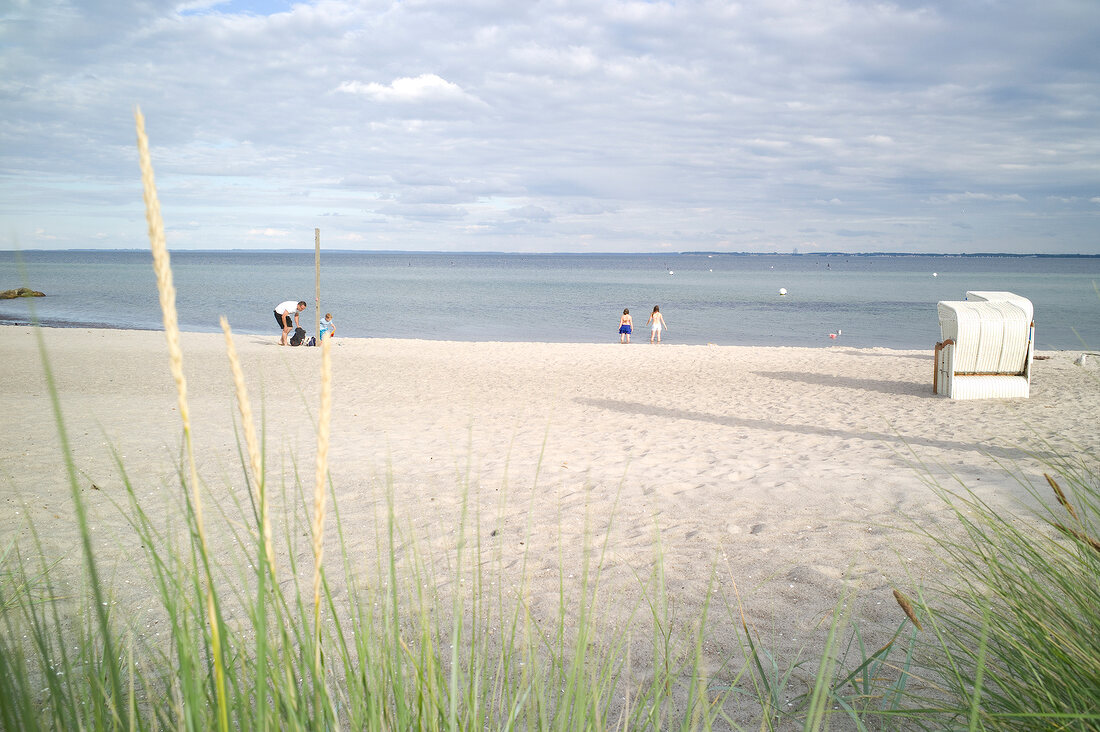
<point x="311" y="250"/>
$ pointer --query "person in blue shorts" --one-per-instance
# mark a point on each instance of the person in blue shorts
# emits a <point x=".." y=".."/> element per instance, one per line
<point x="626" y="324"/>
<point x="328" y="328"/>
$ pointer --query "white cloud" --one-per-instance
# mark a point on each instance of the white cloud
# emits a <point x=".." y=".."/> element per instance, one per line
<point x="423" y="88"/>
<point x="541" y="59"/>
<point x="770" y="144"/>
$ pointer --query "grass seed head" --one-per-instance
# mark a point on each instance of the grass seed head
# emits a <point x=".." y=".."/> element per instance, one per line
<point x="1061" y="496"/>
<point x="1080" y="536"/>
<point x="907" y="608"/>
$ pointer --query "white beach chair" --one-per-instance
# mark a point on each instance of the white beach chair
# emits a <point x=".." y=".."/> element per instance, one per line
<point x="988" y="296"/>
<point x="986" y="349"/>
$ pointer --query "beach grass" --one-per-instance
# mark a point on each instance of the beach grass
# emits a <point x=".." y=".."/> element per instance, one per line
<point x="248" y="632"/>
<point x="1016" y="627"/>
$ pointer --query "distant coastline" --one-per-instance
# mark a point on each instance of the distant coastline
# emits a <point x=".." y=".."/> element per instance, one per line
<point x="967" y="255"/>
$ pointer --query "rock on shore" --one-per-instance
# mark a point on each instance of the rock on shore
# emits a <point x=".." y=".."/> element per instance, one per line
<point x="20" y="292"/>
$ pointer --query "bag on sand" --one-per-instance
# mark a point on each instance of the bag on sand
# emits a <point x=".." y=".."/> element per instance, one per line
<point x="312" y="341"/>
<point x="298" y="337"/>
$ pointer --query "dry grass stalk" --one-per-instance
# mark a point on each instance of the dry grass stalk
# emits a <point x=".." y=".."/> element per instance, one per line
<point x="167" y="291"/>
<point x="907" y="608"/>
<point x="1078" y="535"/>
<point x="1061" y="497"/>
<point x="320" y="493"/>
<point x="252" y="442"/>
<point x="162" y="267"/>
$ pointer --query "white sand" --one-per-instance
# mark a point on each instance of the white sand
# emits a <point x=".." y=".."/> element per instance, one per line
<point x="788" y="471"/>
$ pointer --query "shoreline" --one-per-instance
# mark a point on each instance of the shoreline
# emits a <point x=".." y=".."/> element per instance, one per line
<point x="786" y="475"/>
<point x="9" y="322"/>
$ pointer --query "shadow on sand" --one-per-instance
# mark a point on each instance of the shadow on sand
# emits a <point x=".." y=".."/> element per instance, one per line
<point x="907" y="388"/>
<point x="905" y="442"/>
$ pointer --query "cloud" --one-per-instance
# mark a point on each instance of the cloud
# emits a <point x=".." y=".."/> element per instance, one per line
<point x="531" y="213"/>
<point x="430" y="212"/>
<point x="635" y="125"/>
<point x="406" y="90"/>
<point x="590" y="208"/>
<point x="980" y="197"/>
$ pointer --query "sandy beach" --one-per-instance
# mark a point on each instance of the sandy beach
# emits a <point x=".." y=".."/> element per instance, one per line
<point x="782" y="476"/>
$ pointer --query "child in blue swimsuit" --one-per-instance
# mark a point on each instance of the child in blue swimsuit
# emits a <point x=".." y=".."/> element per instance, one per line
<point x="626" y="324"/>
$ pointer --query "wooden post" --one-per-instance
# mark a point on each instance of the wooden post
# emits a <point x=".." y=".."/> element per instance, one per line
<point x="317" y="288"/>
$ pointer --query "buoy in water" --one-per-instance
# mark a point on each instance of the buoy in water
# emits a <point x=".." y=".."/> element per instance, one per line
<point x="832" y="335"/>
<point x="934" y="274"/>
<point x="782" y="290"/>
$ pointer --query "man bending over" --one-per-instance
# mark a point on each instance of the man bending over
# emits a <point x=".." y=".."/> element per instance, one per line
<point x="283" y="311"/>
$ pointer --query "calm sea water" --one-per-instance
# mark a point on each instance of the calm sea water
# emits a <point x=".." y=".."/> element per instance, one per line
<point x="887" y="301"/>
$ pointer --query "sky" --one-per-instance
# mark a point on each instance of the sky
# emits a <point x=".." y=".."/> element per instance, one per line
<point x="939" y="126"/>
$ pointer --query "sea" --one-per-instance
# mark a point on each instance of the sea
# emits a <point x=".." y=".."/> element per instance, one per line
<point x="865" y="300"/>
